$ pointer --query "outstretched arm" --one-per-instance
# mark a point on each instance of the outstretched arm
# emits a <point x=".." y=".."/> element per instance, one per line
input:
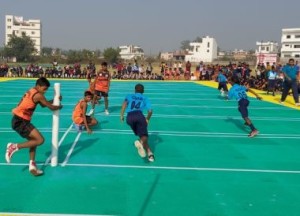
<point x="40" y="98"/>
<point x="256" y="95"/>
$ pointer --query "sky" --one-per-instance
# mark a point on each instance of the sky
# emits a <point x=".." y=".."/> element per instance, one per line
<point x="155" y="25"/>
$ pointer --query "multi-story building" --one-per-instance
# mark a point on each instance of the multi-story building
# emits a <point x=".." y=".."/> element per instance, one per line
<point x="205" y="51"/>
<point x="130" y="52"/>
<point x="15" y="25"/>
<point x="267" y="52"/>
<point x="290" y="43"/>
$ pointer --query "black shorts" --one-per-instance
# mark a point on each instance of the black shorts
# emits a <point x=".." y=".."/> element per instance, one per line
<point x="223" y="85"/>
<point x="22" y="126"/>
<point x="243" y="107"/>
<point x="137" y="121"/>
<point x="101" y="93"/>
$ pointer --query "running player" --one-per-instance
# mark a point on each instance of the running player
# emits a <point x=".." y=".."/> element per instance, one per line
<point x="238" y="92"/>
<point x="21" y="123"/>
<point x="134" y="104"/>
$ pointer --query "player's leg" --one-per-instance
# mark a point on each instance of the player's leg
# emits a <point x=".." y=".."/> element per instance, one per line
<point x="106" y="103"/>
<point x="285" y="91"/>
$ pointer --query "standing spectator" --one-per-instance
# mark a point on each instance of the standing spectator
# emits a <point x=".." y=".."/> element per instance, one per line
<point x="291" y="77"/>
<point x="272" y="75"/>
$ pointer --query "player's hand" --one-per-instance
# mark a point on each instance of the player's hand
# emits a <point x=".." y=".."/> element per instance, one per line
<point x="122" y="118"/>
<point x="89" y="131"/>
<point x="60" y="97"/>
<point x="147" y="120"/>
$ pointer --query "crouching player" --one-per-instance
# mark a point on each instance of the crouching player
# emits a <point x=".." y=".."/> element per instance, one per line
<point x="79" y="117"/>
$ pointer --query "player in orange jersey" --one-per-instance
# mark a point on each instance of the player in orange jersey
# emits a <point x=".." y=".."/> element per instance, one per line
<point x="21" y="122"/>
<point x="101" y="85"/>
<point x="79" y="116"/>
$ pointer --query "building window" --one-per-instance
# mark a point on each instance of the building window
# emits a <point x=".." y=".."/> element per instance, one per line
<point x="207" y="50"/>
<point x="287" y="56"/>
<point x="8" y="20"/>
<point x="297" y="36"/>
<point x="296" y="46"/>
<point x="297" y="55"/>
<point x="33" y="32"/>
<point x="288" y="36"/>
<point x="268" y="49"/>
<point x="8" y="27"/>
<point x="32" y="24"/>
<point x="287" y="45"/>
<point x="208" y="45"/>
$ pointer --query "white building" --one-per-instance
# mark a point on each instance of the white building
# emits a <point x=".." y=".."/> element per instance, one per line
<point x="266" y="52"/>
<point x="290" y="43"/>
<point x="15" y="25"/>
<point x="130" y="52"/>
<point x="205" y="51"/>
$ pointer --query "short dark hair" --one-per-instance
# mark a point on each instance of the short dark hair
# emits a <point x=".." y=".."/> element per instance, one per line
<point x="88" y="93"/>
<point x="104" y="64"/>
<point x="42" y="82"/>
<point x="235" y="80"/>
<point x="139" y="88"/>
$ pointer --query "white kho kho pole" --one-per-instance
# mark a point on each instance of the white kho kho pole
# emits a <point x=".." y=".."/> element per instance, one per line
<point x="55" y="125"/>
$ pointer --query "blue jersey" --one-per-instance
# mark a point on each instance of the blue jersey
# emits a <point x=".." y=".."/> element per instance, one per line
<point x="221" y="78"/>
<point x="291" y="71"/>
<point x="137" y="102"/>
<point x="238" y="92"/>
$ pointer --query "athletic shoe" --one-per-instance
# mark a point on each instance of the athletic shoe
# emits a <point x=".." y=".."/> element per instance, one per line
<point x="106" y="112"/>
<point x="91" y="112"/>
<point x="297" y="104"/>
<point x="11" y="148"/>
<point x="140" y="148"/>
<point x="281" y="102"/>
<point x="151" y="157"/>
<point x="253" y="133"/>
<point x="34" y="170"/>
<point x="79" y="128"/>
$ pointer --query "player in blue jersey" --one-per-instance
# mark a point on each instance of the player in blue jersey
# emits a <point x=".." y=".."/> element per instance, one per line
<point x="222" y="80"/>
<point x="238" y="92"/>
<point x="133" y="105"/>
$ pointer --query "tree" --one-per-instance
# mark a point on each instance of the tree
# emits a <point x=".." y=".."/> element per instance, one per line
<point x="20" y="47"/>
<point x="46" y="51"/>
<point x="198" y="39"/>
<point x="185" y="45"/>
<point x="111" y="55"/>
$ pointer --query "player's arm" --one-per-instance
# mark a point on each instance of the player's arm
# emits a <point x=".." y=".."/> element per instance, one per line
<point x="40" y="98"/>
<point x="253" y="92"/>
<point x="285" y="74"/>
<point x="83" y="108"/>
<point x="149" y="115"/>
<point x="124" y="105"/>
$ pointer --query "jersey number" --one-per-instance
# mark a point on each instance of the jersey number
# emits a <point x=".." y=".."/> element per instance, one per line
<point x="242" y="95"/>
<point x="135" y="105"/>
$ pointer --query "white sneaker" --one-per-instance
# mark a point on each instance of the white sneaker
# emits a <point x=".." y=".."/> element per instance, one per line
<point x="106" y="112"/>
<point x="91" y="112"/>
<point x="281" y="102"/>
<point x="140" y="148"/>
<point x="34" y="170"/>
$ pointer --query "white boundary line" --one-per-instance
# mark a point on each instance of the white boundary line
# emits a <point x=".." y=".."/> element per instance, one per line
<point x="31" y="214"/>
<point x="213" y="169"/>
<point x="60" y="142"/>
<point x="189" y="134"/>
<point x="71" y="149"/>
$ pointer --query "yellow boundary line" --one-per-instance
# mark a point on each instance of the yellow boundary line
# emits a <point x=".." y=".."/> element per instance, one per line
<point x="289" y="102"/>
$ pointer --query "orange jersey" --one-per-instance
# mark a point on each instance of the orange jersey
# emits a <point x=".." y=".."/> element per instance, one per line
<point x="26" y="106"/>
<point x="77" y="115"/>
<point x="102" y="81"/>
